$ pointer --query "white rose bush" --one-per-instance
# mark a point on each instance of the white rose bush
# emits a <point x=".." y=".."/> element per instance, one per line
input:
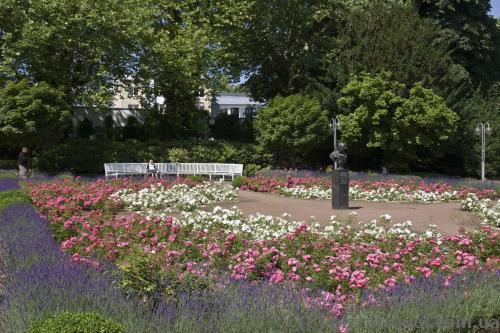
<point x="179" y="197"/>
<point x="487" y="209"/>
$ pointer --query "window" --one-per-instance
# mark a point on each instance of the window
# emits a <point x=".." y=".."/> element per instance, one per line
<point x="235" y="112"/>
<point x="251" y="112"/>
<point x="133" y="91"/>
<point x="133" y="106"/>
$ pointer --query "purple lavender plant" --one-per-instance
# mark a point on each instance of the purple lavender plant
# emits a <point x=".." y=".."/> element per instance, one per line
<point x="7" y="184"/>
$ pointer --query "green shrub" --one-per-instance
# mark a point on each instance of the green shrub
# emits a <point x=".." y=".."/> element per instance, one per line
<point x="71" y="322"/>
<point x="178" y="155"/>
<point x="197" y="179"/>
<point x="13" y="197"/>
<point x="238" y="181"/>
<point x="251" y="169"/>
<point x="8" y="174"/>
<point x="80" y="156"/>
<point x="8" y="164"/>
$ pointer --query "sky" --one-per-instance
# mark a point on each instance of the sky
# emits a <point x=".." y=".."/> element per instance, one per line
<point x="495" y="8"/>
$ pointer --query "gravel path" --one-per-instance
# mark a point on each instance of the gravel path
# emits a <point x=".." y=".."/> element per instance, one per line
<point x="447" y="216"/>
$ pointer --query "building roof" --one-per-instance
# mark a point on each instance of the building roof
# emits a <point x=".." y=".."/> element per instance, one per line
<point x="235" y="99"/>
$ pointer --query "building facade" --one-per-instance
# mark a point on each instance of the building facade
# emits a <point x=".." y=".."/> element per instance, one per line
<point x="126" y="103"/>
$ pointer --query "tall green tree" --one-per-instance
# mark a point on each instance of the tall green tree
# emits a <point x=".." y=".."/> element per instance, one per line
<point x="390" y="36"/>
<point x="380" y="116"/>
<point x="83" y="47"/>
<point x="32" y="115"/>
<point x="293" y="128"/>
<point x="471" y="32"/>
<point x="480" y="107"/>
<point x="278" y="44"/>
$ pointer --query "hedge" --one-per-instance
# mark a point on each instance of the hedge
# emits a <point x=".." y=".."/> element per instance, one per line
<point x="83" y="156"/>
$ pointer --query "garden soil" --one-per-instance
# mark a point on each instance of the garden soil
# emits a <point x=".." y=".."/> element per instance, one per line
<point x="448" y="217"/>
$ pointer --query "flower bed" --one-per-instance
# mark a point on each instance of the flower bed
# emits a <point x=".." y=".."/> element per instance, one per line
<point x="391" y="190"/>
<point x="488" y="209"/>
<point x="335" y="265"/>
<point x="179" y="197"/>
<point x="42" y="281"/>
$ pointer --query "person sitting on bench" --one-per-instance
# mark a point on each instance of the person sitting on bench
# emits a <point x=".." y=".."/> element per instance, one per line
<point x="152" y="170"/>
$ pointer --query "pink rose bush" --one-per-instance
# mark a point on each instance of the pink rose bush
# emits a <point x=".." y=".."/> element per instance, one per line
<point x="332" y="266"/>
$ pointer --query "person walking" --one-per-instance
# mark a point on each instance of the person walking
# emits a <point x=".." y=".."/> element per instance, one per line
<point x="24" y="163"/>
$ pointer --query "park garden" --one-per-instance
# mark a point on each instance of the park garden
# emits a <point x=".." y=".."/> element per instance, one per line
<point x="405" y="93"/>
<point x="155" y="255"/>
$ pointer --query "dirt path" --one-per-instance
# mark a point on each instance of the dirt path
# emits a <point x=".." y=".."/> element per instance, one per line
<point x="447" y="216"/>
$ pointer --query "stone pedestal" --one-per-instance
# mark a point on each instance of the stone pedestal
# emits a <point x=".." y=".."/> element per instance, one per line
<point x="340" y="189"/>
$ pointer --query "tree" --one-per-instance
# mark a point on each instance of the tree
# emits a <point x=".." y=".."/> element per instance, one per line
<point x="85" y="128"/>
<point x="379" y="115"/>
<point x="390" y="36"/>
<point x="278" y="44"/>
<point x="32" y="115"/>
<point x="83" y="47"/>
<point x="481" y="107"/>
<point x="471" y="32"/>
<point x="293" y="128"/>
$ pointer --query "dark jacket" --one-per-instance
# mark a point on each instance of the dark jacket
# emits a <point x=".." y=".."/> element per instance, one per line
<point x="151" y="168"/>
<point x="24" y="159"/>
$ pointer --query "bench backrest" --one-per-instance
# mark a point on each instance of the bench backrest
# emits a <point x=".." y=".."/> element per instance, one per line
<point x="125" y="167"/>
<point x="175" y="168"/>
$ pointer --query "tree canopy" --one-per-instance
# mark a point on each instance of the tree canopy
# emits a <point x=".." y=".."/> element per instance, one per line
<point x="32" y="115"/>
<point x="379" y="114"/>
<point x="293" y="127"/>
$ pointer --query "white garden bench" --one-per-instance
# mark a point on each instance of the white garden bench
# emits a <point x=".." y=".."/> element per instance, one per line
<point x="124" y="169"/>
<point x="197" y="169"/>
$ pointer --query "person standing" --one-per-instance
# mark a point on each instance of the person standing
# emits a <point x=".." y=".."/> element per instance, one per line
<point x="24" y="163"/>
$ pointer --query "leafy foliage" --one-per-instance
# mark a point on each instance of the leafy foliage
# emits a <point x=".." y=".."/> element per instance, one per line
<point x="479" y="108"/>
<point x="88" y="156"/>
<point x="471" y="32"/>
<point x="71" y="322"/>
<point x="278" y="44"/>
<point x="178" y="155"/>
<point x="391" y="36"/>
<point x="83" y="47"/>
<point x="13" y="197"/>
<point x="407" y="128"/>
<point x="292" y="127"/>
<point x="33" y="115"/>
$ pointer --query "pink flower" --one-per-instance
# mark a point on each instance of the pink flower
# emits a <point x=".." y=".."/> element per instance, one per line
<point x="436" y="262"/>
<point x="390" y="282"/>
<point x="292" y="262"/>
<point x="426" y="271"/>
<point x="277" y="277"/>
<point x="358" y="279"/>
<point x="337" y="310"/>
<point x="342" y="328"/>
<point x="465" y="241"/>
